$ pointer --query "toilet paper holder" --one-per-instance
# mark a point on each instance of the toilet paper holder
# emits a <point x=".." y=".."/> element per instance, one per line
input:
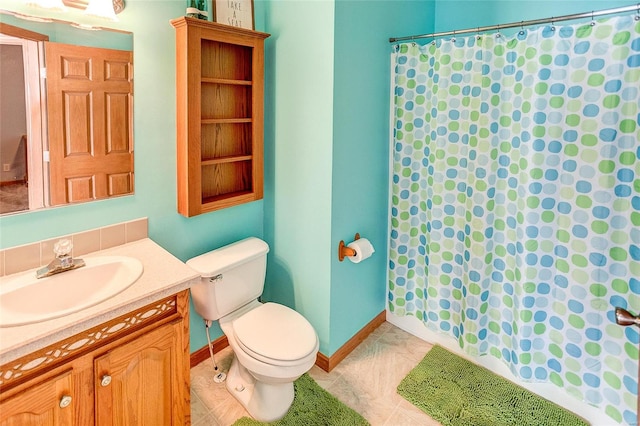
<point x="344" y="251"/>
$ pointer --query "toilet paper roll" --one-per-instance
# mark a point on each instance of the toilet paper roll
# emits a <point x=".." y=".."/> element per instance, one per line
<point x="364" y="249"/>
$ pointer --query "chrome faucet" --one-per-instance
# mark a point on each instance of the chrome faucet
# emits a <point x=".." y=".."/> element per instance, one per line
<point x="63" y="261"/>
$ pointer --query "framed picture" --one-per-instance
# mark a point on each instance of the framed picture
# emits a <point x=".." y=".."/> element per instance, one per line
<point x="237" y="13"/>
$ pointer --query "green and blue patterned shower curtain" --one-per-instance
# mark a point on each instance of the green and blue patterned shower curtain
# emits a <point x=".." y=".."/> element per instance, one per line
<point x="515" y="211"/>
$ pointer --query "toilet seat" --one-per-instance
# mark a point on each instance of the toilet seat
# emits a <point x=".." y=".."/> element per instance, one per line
<point x="275" y="334"/>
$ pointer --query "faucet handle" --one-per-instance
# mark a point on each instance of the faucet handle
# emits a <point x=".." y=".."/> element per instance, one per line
<point x="62" y="247"/>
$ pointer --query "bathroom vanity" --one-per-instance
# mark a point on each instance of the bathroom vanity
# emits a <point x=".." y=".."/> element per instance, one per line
<point x="123" y="361"/>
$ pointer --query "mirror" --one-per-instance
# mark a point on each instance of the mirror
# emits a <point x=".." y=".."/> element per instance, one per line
<point x="67" y="136"/>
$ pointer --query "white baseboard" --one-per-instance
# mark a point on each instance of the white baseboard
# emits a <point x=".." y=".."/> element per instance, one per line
<point x="549" y="391"/>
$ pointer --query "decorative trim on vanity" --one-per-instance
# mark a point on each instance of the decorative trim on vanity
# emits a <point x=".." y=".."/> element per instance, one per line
<point x="324" y="362"/>
<point x="23" y="368"/>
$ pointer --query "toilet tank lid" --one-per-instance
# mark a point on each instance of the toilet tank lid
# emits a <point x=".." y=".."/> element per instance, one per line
<point x="229" y="256"/>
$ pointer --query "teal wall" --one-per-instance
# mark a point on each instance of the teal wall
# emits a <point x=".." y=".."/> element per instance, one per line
<point x="361" y="151"/>
<point x="298" y="142"/>
<point x="327" y="155"/>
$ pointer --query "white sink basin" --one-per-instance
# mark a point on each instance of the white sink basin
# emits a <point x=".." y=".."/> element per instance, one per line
<point x="24" y="299"/>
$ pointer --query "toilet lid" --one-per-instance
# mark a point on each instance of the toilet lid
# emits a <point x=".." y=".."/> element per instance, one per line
<point x="275" y="331"/>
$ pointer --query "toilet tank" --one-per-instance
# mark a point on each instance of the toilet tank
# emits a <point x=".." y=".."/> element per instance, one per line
<point x="230" y="277"/>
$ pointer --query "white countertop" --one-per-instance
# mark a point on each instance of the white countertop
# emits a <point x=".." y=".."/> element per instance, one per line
<point x="163" y="276"/>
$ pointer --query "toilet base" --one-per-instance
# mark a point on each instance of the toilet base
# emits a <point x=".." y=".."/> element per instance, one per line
<point x="265" y="402"/>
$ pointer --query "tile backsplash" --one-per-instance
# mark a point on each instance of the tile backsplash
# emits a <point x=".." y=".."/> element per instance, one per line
<point x="28" y="256"/>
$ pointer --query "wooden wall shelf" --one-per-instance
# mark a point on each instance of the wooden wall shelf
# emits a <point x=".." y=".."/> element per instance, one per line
<point x="220" y="97"/>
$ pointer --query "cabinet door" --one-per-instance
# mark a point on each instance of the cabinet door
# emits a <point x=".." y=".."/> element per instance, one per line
<point x="46" y="403"/>
<point x="142" y="382"/>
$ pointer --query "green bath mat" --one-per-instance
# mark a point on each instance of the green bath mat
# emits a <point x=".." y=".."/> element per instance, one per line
<point x="457" y="392"/>
<point x="312" y="406"/>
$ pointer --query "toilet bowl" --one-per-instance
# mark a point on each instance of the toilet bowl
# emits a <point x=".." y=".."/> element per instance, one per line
<point x="272" y="344"/>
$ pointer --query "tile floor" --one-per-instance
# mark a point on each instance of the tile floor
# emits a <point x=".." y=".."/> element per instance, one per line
<point x="366" y="381"/>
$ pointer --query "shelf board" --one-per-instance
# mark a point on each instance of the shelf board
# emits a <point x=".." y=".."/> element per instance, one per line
<point x="225" y="120"/>
<point x="226" y="81"/>
<point x="227" y="200"/>
<point x="227" y="159"/>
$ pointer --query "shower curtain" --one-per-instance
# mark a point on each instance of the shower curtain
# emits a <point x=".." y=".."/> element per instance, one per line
<point x="515" y="201"/>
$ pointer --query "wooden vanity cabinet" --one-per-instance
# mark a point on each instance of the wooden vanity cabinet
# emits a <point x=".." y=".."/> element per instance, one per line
<point x="132" y="370"/>
<point x="44" y="403"/>
<point x="144" y="367"/>
<point x="220" y="116"/>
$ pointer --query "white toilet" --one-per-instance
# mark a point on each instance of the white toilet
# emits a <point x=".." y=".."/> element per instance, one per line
<point x="273" y="345"/>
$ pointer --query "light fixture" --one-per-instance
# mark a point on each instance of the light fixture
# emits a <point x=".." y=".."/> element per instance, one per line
<point x="105" y="9"/>
<point x="101" y="9"/>
<point x="54" y="5"/>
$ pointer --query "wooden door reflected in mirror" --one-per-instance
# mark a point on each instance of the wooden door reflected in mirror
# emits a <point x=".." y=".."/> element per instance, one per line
<point x="66" y="138"/>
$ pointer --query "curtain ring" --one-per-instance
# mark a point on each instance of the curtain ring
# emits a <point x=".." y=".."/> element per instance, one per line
<point x="593" y="22"/>
<point x="521" y="28"/>
<point x="478" y="36"/>
<point x="498" y="35"/>
<point x="553" y="27"/>
<point x="637" y="18"/>
<point x="453" y="39"/>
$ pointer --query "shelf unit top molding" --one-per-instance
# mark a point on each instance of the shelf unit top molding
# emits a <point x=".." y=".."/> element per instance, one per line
<point x="194" y="22"/>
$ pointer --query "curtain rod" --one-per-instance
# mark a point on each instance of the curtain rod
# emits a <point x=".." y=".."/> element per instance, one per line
<point x="523" y="23"/>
